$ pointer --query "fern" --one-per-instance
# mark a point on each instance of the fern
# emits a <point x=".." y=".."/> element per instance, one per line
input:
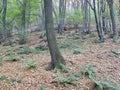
<point x="111" y="84"/>
<point x="91" y="72"/>
<point x="70" y="78"/>
<point x="31" y="64"/>
<point x="67" y="79"/>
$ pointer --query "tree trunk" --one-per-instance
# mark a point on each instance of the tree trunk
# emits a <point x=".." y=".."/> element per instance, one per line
<point x="97" y="19"/>
<point x="85" y="17"/>
<point x="56" y="57"/>
<point x="62" y="10"/>
<point x="4" y="31"/>
<point x="100" y="33"/>
<point x="112" y="15"/>
<point x="103" y="5"/>
<point x="119" y="9"/>
<point x="23" y="15"/>
<point x="23" y="32"/>
<point x="43" y="15"/>
<point x="29" y="14"/>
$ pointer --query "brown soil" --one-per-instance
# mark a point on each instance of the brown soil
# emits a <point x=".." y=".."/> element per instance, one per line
<point x="99" y="54"/>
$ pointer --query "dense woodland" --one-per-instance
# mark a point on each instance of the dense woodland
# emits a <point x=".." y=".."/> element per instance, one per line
<point x="59" y="45"/>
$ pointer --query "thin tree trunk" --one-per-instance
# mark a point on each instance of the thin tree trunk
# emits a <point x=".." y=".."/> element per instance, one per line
<point x="101" y="38"/>
<point x="119" y="8"/>
<point x="23" y="15"/>
<point x="29" y="13"/>
<point x="62" y="10"/>
<point x="43" y="15"/>
<point x="23" y="32"/>
<point x="85" y="16"/>
<point x="4" y="31"/>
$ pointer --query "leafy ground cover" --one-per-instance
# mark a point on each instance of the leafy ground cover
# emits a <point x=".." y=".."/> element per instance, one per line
<point x="17" y="76"/>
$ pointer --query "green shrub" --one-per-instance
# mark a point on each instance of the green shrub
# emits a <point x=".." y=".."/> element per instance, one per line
<point x="12" y="58"/>
<point x="25" y="50"/>
<point x="31" y="64"/>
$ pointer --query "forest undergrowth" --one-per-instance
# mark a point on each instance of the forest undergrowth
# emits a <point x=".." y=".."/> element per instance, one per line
<point x="90" y="65"/>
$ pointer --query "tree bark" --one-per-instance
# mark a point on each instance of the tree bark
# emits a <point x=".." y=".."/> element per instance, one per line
<point x="86" y="17"/>
<point x="56" y="57"/>
<point x="112" y="15"/>
<point x="23" y="15"/>
<point x="4" y="31"/>
<point x="100" y="33"/>
<point x="43" y="15"/>
<point x="23" y="32"/>
<point x="62" y="10"/>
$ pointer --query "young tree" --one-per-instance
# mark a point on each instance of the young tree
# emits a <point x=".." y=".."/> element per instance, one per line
<point x="56" y="57"/>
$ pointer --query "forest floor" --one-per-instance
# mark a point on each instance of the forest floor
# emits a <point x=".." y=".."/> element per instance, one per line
<point x="15" y="75"/>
